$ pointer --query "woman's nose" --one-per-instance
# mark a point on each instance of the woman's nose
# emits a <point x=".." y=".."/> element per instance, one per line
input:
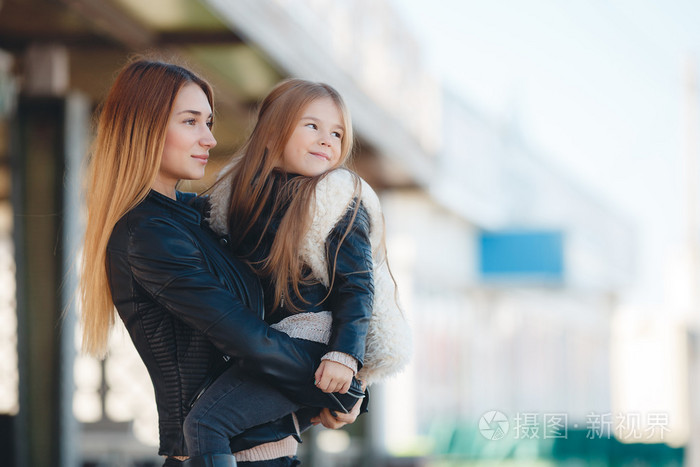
<point x="208" y="139"/>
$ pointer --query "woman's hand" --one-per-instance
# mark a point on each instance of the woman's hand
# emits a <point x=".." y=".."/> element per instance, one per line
<point x="333" y="377"/>
<point x="327" y="419"/>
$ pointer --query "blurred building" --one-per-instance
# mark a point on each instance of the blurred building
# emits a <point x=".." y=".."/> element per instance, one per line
<point x="508" y="270"/>
<point x="514" y="276"/>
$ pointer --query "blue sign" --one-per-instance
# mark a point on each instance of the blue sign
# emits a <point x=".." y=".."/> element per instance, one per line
<point x="522" y="256"/>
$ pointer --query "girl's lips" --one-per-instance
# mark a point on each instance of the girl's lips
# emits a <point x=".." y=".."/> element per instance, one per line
<point x="321" y="155"/>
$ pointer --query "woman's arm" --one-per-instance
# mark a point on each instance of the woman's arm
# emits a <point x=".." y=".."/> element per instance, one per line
<point x="335" y="420"/>
<point x="168" y="264"/>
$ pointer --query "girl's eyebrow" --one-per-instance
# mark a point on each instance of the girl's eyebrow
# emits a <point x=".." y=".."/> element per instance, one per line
<point x="310" y="117"/>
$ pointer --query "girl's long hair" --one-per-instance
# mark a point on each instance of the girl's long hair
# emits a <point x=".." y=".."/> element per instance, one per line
<point x="124" y="161"/>
<point x="252" y="183"/>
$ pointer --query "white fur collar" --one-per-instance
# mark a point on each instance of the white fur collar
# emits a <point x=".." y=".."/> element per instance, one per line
<point x="334" y="193"/>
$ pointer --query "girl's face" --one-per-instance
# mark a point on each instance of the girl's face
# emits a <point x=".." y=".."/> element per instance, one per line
<point x="315" y="145"/>
<point x="188" y="140"/>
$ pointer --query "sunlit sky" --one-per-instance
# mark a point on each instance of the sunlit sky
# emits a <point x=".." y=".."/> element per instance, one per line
<point x="597" y="88"/>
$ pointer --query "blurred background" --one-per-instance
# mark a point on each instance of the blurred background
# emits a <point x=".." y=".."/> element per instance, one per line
<point x="537" y="163"/>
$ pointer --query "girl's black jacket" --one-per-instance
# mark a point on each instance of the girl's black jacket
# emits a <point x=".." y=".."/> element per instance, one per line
<point x="352" y="293"/>
<point x="186" y="303"/>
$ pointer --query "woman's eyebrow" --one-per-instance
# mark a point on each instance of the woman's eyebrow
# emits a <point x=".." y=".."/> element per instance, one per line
<point x="194" y="112"/>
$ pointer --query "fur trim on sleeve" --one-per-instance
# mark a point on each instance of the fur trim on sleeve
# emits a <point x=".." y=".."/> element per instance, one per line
<point x="219" y="200"/>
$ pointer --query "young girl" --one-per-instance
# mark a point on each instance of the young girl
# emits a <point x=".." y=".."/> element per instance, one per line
<point x="313" y="231"/>
<point x="185" y="302"/>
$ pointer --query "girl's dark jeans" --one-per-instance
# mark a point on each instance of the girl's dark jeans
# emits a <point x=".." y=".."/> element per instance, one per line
<point x="235" y="402"/>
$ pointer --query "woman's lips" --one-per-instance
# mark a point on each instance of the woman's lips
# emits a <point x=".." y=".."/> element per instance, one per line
<point x="201" y="158"/>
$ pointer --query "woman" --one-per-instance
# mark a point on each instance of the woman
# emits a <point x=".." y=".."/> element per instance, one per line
<point x="184" y="301"/>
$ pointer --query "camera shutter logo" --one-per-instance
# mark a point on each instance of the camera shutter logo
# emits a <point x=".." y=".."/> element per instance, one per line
<point x="494" y="425"/>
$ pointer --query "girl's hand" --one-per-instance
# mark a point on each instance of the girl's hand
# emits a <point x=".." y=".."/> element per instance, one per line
<point x="333" y="377"/>
<point x="335" y="420"/>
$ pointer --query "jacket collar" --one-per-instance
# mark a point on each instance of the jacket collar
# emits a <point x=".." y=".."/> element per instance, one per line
<point x="182" y="206"/>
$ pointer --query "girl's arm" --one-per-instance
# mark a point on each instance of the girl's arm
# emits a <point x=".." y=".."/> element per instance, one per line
<point x="352" y="290"/>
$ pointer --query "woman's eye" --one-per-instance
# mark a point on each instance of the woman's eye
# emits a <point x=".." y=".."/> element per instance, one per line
<point x="210" y="124"/>
<point x="190" y="121"/>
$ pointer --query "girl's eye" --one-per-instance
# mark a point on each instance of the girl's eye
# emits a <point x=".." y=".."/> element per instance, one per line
<point x="312" y="125"/>
<point x="337" y="134"/>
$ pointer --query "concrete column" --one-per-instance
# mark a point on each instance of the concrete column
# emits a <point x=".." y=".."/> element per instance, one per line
<point x="47" y="145"/>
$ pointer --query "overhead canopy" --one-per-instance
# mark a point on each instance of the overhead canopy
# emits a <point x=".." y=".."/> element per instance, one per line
<point x="99" y="34"/>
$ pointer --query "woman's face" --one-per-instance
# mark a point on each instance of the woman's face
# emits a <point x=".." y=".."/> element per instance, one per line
<point x="315" y="145"/>
<point x="188" y="140"/>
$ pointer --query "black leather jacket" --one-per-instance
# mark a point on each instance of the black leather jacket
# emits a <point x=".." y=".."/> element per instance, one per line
<point x="186" y="303"/>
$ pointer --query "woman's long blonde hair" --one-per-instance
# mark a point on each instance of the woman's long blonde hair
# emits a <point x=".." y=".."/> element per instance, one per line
<point x="278" y="115"/>
<point x="123" y="164"/>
